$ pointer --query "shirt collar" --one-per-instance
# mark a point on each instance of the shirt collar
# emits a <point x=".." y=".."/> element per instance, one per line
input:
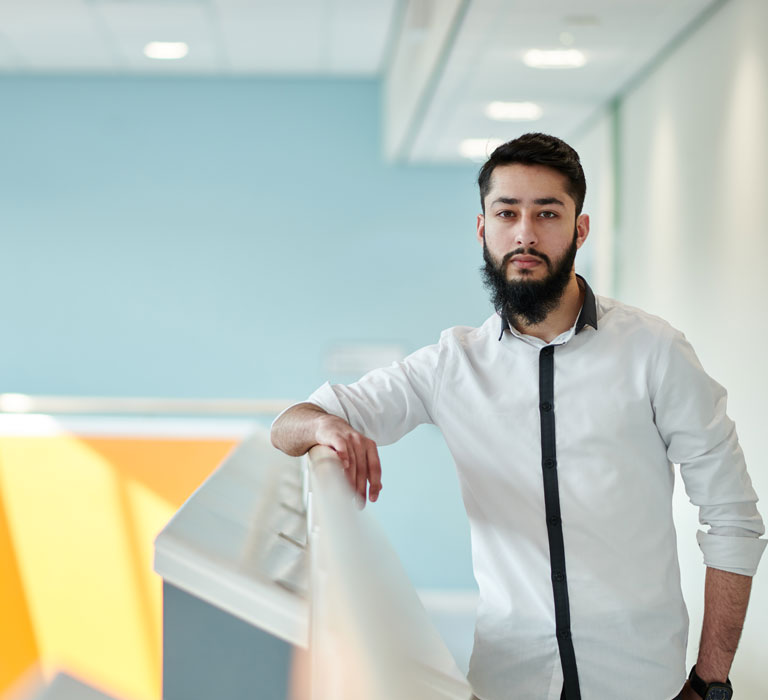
<point x="587" y="315"/>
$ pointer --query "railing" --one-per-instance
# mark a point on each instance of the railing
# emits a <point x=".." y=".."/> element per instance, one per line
<point x="279" y="542"/>
<point x="370" y="637"/>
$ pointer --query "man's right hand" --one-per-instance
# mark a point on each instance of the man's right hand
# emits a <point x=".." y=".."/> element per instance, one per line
<point x="358" y="454"/>
<point x="306" y="425"/>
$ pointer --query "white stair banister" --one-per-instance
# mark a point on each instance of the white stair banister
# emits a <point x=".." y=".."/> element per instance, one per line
<point x="369" y="633"/>
<point x="279" y="543"/>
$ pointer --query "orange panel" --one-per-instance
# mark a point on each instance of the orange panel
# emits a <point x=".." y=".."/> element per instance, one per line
<point x="18" y="648"/>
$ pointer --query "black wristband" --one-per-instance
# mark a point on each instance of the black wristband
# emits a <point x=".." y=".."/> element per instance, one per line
<point x="710" y="691"/>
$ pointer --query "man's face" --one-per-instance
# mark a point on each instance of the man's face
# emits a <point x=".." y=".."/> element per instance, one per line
<point x="530" y="234"/>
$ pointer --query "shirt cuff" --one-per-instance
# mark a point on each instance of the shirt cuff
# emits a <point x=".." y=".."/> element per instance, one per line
<point x="739" y="555"/>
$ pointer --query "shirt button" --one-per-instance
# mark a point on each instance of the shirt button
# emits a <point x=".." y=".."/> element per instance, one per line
<point x="548" y="350"/>
<point x="564" y="634"/>
<point x="558" y="576"/>
<point x="546" y="406"/>
<point x="549" y="463"/>
<point x="554" y="520"/>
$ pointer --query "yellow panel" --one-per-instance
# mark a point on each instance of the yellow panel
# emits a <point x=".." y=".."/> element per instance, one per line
<point x="82" y="515"/>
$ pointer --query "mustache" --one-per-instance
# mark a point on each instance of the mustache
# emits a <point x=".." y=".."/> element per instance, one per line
<point x="524" y="251"/>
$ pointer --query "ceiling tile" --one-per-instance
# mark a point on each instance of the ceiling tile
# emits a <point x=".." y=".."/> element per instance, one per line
<point x="283" y="39"/>
<point x="358" y="36"/>
<point x="47" y="36"/>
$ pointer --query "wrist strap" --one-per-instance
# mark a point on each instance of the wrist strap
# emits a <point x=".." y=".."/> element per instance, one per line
<point x="700" y="686"/>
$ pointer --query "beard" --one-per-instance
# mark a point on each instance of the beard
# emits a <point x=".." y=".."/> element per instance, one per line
<point x="530" y="300"/>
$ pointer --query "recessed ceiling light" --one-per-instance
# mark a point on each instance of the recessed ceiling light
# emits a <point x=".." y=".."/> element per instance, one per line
<point x="166" y="50"/>
<point x="558" y="58"/>
<point x="513" y="111"/>
<point x="478" y="149"/>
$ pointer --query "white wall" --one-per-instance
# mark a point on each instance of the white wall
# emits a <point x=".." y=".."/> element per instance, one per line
<point x="595" y="145"/>
<point x="692" y="246"/>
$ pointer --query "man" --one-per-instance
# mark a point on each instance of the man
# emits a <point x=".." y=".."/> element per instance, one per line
<point x="564" y="413"/>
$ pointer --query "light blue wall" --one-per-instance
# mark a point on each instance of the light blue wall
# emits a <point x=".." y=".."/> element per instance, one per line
<point x="214" y="237"/>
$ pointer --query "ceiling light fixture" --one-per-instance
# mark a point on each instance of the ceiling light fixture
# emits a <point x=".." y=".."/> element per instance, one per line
<point x="478" y="149"/>
<point x="513" y="111"/>
<point x="166" y="50"/>
<point x="559" y="58"/>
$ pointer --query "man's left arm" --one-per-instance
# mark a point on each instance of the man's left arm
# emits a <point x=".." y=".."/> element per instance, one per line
<point x="726" y="596"/>
<point x="725" y="605"/>
<point x="690" y="411"/>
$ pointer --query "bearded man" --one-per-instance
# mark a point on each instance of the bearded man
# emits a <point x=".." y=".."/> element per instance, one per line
<point x="565" y="413"/>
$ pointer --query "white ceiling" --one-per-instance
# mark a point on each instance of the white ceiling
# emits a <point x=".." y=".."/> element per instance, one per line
<point x="619" y="38"/>
<point x="275" y="37"/>
<point x="478" y="58"/>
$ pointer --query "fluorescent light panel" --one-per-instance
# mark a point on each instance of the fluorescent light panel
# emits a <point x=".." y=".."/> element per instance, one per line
<point x="513" y="111"/>
<point x="558" y="58"/>
<point x="166" y="50"/>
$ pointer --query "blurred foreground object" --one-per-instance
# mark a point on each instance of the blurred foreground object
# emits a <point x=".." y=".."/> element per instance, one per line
<point x="62" y="687"/>
<point x="272" y="556"/>
<point x="370" y="635"/>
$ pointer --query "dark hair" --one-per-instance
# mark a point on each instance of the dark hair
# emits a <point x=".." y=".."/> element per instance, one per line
<point x="537" y="149"/>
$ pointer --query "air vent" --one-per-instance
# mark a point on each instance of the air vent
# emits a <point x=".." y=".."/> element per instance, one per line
<point x="418" y="19"/>
<point x="420" y="15"/>
<point x="356" y="359"/>
<point x="582" y="20"/>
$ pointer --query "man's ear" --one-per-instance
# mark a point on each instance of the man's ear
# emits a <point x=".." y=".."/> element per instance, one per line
<point x="480" y="228"/>
<point x="582" y="229"/>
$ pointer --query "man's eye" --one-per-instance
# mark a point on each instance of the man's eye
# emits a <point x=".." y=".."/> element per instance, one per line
<point x="548" y="214"/>
<point x="505" y="214"/>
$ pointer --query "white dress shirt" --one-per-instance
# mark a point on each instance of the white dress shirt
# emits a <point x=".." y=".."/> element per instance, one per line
<point x="629" y="400"/>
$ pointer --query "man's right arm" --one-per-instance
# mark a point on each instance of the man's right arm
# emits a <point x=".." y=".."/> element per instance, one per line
<point x="306" y="425"/>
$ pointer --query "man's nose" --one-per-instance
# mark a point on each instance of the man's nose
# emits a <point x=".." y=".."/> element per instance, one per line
<point x="525" y="232"/>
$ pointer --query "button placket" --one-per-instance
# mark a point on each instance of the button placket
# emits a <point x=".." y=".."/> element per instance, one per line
<point x="571" y="688"/>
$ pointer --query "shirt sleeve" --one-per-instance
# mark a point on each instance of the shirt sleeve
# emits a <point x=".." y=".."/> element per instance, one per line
<point x="690" y="412"/>
<point x="387" y="403"/>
